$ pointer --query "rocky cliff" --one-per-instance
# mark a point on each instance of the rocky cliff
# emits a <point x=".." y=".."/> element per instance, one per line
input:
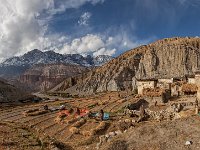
<point x="43" y="77"/>
<point x="172" y="57"/>
<point x="10" y="94"/>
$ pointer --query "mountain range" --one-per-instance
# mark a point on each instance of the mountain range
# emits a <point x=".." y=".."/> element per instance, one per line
<point x="16" y="66"/>
<point x="38" y="71"/>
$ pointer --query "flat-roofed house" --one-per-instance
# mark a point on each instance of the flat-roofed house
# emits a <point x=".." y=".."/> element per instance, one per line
<point x="145" y="83"/>
<point x="197" y="80"/>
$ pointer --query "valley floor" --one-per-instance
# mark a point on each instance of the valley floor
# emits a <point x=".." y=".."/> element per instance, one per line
<point x="21" y="132"/>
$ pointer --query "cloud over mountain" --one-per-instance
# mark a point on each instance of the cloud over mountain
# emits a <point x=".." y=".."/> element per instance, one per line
<point x="24" y="24"/>
<point x="89" y="44"/>
<point x="92" y="26"/>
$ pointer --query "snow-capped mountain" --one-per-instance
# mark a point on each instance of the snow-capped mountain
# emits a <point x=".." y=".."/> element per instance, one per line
<point x="15" y="66"/>
<point x="50" y="57"/>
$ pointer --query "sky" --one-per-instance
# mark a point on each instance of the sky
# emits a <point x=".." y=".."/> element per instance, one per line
<point x="95" y="27"/>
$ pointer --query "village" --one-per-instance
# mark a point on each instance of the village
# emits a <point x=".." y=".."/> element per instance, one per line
<point x="160" y="91"/>
<point x="91" y="122"/>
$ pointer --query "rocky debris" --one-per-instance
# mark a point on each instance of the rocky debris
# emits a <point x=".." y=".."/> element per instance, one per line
<point x="188" y="143"/>
<point x="174" y="111"/>
<point x="162" y="114"/>
<point x="118" y="145"/>
<point x="166" y="135"/>
<point x="107" y="138"/>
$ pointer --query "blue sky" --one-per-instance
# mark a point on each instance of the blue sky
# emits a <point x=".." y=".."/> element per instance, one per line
<point x="93" y="26"/>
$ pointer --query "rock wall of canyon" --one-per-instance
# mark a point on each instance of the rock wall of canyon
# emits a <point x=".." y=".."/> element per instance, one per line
<point x="9" y="93"/>
<point x="43" y="77"/>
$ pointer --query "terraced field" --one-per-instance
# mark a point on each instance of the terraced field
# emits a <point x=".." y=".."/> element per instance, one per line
<point x="45" y="126"/>
<point x="19" y="131"/>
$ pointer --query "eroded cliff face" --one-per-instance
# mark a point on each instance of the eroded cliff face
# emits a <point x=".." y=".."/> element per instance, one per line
<point x="174" y="57"/>
<point x="44" y="77"/>
<point x="10" y="94"/>
<point x="171" y="58"/>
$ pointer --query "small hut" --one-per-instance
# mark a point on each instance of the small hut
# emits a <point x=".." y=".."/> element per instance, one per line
<point x="191" y="79"/>
<point x="157" y="95"/>
<point x="197" y="80"/>
<point x="176" y="88"/>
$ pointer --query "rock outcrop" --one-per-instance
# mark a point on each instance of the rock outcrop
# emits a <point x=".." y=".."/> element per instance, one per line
<point x="173" y="57"/>
<point x="10" y="94"/>
<point x="43" y="77"/>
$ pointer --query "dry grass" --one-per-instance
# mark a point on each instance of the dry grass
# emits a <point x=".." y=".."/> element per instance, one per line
<point x="79" y="123"/>
<point x="187" y="113"/>
<point x="60" y="118"/>
<point x="156" y="92"/>
<point x="85" y="133"/>
<point x="101" y="127"/>
<point x="87" y="141"/>
<point x="178" y="83"/>
<point x="189" y="88"/>
<point x="36" y="113"/>
<point x="71" y="120"/>
<point x="103" y="102"/>
<point x="121" y="101"/>
<point x="31" y="110"/>
<point x="74" y="130"/>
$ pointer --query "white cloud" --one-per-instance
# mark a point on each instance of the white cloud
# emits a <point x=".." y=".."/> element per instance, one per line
<point x="103" y="45"/>
<point x="123" y="41"/>
<point x="104" y="51"/>
<point x="23" y="28"/>
<point x="89" y="44"/>
<point x="62" y="5"/>
<point x="84" y="19"/>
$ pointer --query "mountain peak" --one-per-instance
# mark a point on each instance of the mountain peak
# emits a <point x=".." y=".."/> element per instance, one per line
<point x="34" y="51"/>
<point x="36" y="56"/>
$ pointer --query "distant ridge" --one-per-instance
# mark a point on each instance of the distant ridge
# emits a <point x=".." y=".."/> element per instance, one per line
<point x="16" y="66"/>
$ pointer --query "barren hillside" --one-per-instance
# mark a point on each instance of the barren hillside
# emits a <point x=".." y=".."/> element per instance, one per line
<point x="173" y="57"/>
<point x="9" y="93"/>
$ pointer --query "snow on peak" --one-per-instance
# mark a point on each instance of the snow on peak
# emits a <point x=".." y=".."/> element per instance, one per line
<point x="50" y="57"/>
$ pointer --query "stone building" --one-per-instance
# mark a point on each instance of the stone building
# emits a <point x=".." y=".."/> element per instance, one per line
<point x="197" y="80"/>
<point x="146" y="83"/>
<point x="157" y="95"/>
<point x="165" y="83"/>
<point x="191" y="79"/>
<point x="176" y="90"/>
<point x="170" y="80"/>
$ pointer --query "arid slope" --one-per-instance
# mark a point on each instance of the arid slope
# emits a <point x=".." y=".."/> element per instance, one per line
<point x="173" y="57"/>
